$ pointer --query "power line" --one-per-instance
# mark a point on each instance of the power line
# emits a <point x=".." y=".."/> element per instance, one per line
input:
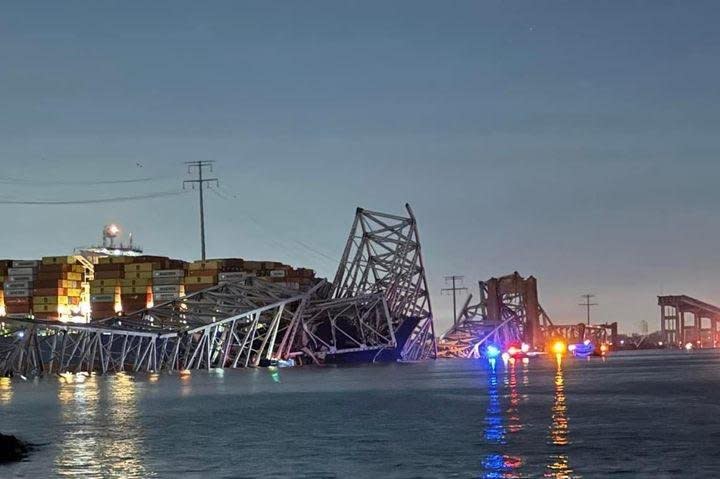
<point x="27" y="182"/>
<point x="116" y="199"/>
<point x="200" y="165"/>
<point x="587" y="304"/>
<point x="454" y="290"/>
<point x="321" y="255"/>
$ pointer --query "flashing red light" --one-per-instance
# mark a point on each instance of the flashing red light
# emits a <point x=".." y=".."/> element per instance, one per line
<point x="512" y="350"/>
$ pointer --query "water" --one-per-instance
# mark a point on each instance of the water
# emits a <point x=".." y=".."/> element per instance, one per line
<point x="637" y="415"/>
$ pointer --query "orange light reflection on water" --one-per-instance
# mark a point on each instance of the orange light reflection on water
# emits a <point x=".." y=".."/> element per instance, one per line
<point x="102" y="435"/>
<point x="6" y="391"/>
<point x="559" y="468"/>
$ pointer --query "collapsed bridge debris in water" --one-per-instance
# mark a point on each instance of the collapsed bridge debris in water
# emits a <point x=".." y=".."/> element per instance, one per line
<point x="378" y="307"/>
<point x="509" y="312"/>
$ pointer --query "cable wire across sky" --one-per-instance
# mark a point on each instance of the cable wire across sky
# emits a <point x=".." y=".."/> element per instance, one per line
<point x="29" y="182"/>
<point x="92" y="201"/>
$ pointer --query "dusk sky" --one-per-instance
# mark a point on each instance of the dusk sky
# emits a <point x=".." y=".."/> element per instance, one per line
<point x="574" y="141"/>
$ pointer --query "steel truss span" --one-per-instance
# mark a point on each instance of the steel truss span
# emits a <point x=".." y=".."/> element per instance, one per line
<point x="378" y="306"/>
<point x="383" y="255"/>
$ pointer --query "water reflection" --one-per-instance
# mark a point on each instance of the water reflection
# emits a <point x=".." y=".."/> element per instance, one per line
<point x="514" y="423"/>
<point x="102" y="435"/>
<point x="6" y="391"/>
<point x="559" y="467"/>
<point x="124" y="451"/>
<point x="79" y="411"/>
<point x="497" y="465"/>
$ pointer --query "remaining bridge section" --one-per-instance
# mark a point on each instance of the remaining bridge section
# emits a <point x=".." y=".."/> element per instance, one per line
<point x="674" y="311"/>
<point x="508" y="311"/>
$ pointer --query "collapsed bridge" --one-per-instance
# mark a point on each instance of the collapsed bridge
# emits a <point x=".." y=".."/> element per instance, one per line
<point x="377" y="308"/>
<point x="509" y="311"/>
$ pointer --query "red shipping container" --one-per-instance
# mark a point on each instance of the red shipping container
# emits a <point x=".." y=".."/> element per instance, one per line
<point x="50" y="291"/>
<point x="109" y="274"/>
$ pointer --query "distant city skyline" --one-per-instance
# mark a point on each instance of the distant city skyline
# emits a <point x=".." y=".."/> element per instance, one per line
<point x="572" y="141"/>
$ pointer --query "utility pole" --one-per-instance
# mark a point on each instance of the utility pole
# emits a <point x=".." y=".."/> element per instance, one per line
<point x="587" y="304"/>
<point x="200" y="181"/>
<point x="454" y="279"/>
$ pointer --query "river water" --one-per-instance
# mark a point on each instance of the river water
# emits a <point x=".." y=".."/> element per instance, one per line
<point x="646" y="414"/>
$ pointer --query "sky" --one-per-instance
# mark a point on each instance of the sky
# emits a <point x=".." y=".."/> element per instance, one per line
<point x="576" y="141"/>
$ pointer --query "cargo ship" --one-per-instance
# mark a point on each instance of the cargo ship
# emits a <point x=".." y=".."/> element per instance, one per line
<point x="116" y="278"/>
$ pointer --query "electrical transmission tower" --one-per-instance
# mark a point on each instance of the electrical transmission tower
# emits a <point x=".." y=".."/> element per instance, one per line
<point x="200" y="182"/>
<point x="453" y="279"/>
<point x="587" y="304"/>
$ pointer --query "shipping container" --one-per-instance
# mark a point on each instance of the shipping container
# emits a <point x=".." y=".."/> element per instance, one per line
<point x="109" y="274"/>
<point x="136" y="282"/>
<point x="141" y="267"/>
<point x="46" y="260"/>
<point x="109" y="267"/>
<point x="24" y="277"/>
<point x="234" y="276"/>
<point x="277" y="273"/>
<point x="10" y="285"/>
<point x="169" y="288"/>
<point x="194" y="288"/>
<point x="25" y="263"/>
<point x="61" y="268"/>
<point x="104" y="283"/>
<point x="168" y="273"/>
<point x="50" y="292"/>
<point x="207" y="280"/>
<point x="18" y="293"/>
<point x="52" y="300"/>
<point x="162" y="297"/>
<point x="133" y="290"/>
<point x="102" y="298"/>
<point x="161" y="281"/>
<point x="21" y="271"/>
<point x="56" y="283"/>
<point x="204" y="265"/>
<point x="115" y="260"/>
<point x="138" y="275"/>
<point x="51" y="308"/>
<point x="103" y="289"/>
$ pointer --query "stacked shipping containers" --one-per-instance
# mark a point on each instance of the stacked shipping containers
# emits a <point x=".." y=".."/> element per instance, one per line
<point x="57" y="287"/>
<point x="200" y="275"/>
<point x="4" y="265"/>
<point x="18" y="286"/>
<point x="131" y="283"/>
<point x="52" y="287"/>
<point x="105" y="288"/>
<point x="204" y="274"/>
<point x="167" y="284"/>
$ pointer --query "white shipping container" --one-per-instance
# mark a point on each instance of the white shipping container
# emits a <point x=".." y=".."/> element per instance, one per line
<point x="13" y="285"/>
<point x="17" y="293"/>
<point x="20" y="271"/>
<point x="233" y="276"/>
<point x="160" y="281"/>
<point x="168" y="273"/>
<point x="25" y="263"/>
<point x="102" y="298"/>
<point x="167" y="288"/>
<point x="277" y="273"/>
<point x="160" y="297"/>
<point x="21" y="277"/>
